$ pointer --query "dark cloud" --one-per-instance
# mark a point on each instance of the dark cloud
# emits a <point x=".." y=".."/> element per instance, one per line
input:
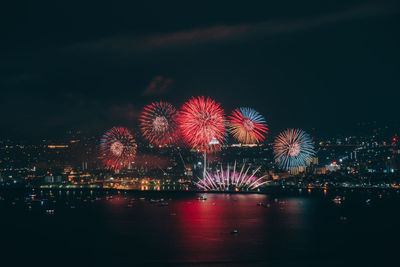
<point x="157" y="86"/>
<point x="225" y="33"/>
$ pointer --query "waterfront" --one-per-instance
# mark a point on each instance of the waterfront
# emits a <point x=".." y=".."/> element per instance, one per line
<point x="100" y="228"/>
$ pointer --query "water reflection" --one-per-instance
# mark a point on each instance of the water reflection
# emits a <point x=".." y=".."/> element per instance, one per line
<point x="160" y="227"/>
<point x="205" y="227"/>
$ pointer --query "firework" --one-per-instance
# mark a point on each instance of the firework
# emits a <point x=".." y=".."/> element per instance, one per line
<point x="202" y="124"/>
<point x="158" y="122"/>
<point x="117" y="148"/>
<point x="247" y="126"/>
<point x="228" y="180"/>
<point x="293" y="148"/>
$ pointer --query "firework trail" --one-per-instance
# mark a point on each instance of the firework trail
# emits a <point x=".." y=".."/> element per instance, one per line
<point x="202" y="124"/>
<point x="247" y="126"/>
<point x="293" y="148"/>
<point x="158" y="123"/>
<point x="227" y="180"/>
<point x="117" y="148"/>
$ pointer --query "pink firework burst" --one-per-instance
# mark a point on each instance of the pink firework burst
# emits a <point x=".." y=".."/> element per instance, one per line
<point x="117" y="148"/>
<point x="232" y="180"/>
<point x="159" y="124"/>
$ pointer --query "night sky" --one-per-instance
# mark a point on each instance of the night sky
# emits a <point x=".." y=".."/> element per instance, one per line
<point x="308" y="64"/>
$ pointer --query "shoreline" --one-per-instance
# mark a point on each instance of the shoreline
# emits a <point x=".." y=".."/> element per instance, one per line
<point x="264" y="191"/>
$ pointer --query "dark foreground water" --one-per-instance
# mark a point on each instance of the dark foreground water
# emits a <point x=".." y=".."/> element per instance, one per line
<point x="99" y="228"/>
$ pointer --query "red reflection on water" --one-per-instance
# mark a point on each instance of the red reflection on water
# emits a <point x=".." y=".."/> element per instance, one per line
<point x="205" y="227"/>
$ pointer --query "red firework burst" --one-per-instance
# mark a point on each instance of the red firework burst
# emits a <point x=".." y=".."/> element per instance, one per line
<point x="117" y="148"/>
<point x="158" y="122"/>
<point x="202" y="124"/>
<point x="247" y="126"/>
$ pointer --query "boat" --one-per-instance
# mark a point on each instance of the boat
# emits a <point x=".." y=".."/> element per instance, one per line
<point x="260" y="204"/>
<point x="156" y="200"/>
<point x="202" y="197"/>
<point x="337" y="200"/>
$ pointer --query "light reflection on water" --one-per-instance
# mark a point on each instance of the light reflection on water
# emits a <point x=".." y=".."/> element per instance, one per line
<point x="195" y="231"/>
<point x="162" y="227"/>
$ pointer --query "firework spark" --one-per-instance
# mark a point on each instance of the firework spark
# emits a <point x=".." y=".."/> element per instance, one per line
<point x="227" y="180"/>
<point x="247" y="126"/>
<point x="202" y="124"/>
<point x="293" y="148"/>
<point x="158" y="122"/>
<point x="117" y="148"/>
